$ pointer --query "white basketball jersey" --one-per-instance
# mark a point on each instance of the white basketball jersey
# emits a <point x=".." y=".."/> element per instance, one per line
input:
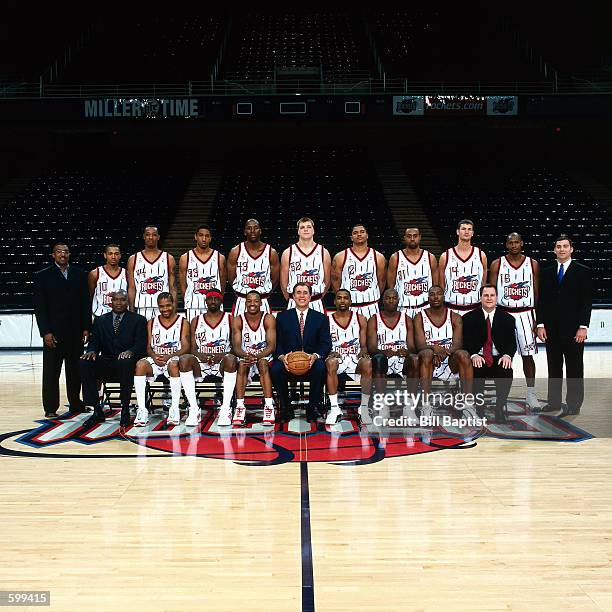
<point x="345" y="340"/>
<point x="166" y="340"/>
<point x="253" y="273"/>
<point x="253" y="340"/>
<point x="413" y="280"/>
<point x="463" y="278"/>
<point x="442" y="335"/>
<point x="359" y="277"/>
<point x="213" y="339"/>
<point x="106" y="285"/>
<point x="201" y="276"/>
<point x="515" y="285"/>
<point x="392" y="338"/>
<point x="306" y="268"/>
<point x="150" y="279"/>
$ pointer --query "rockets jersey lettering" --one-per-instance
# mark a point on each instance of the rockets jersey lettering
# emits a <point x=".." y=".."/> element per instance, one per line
<point x="463" y="277"/>
<point x="106" y="285"/>
<point x="359" y="277"/>
<point x="306" y="268"/>
<point x="150" y="279"/>
<point x="253" y="273"/>
<point x="253" y="340"/>
<point x="393" y="338"/>
<point x="166" y="340"/>
<point x="213" y="340"/>
<point x="345" y="340"/>
<point x="201" y="276"/>
<point x="515" y="285"/>
<point x="442" y="335"/>
<point x="413" y="280"/>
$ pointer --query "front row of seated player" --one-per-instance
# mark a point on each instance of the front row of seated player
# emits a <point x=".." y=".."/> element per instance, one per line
<point x="437" y="343"/>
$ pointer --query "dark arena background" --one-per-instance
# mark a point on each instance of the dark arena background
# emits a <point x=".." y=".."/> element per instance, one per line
<point x="390" y="117"/>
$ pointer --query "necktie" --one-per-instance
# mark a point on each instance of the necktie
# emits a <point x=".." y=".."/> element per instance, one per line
<point x="560" y="274"/>
<point x="302" y="325"/>
<point x="116" y="322"/>
<point x="487" y="349"/>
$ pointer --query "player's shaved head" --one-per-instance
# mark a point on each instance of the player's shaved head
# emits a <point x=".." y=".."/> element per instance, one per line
<point x="151" y="227"/>
<point x="514" y="236"/>
<point x="252" y="222"/>
<point x="438" y="287"/>
<point x="390" y="292"/>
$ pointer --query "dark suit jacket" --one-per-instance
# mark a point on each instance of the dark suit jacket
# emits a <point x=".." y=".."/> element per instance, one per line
<point x="502" y="331"/>
<point x="564" y="308"/>
<point x="132" y="336"/>
<point x="62" y="306"/>
<point x="317" y="338"/>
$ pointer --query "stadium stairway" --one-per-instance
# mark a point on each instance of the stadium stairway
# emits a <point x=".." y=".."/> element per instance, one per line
<point x="405" y="204"/>
<point x="195" y="208"/>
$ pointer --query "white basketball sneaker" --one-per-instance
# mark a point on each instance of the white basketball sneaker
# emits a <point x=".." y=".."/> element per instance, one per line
<point x="142" y="417"/>
<point x="469" y="411"/>
<point x="225" y="417"/>
<point x="174" y="416"/>
<point x="268" y="415"/>
<point x="532" y="400"/>
<point x="334" y="415"/>
<point x="193" y="418"/>
<point x="239" y="415"/>
<point x="364" y="415"/>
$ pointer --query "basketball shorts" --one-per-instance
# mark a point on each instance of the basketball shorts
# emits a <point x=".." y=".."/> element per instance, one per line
<point x="525" y="336"/>
<point x="240" y="306"/>
<point x="208" y="369"/>
<point x="315" y="305"/>
<point x="395" y="365"/>
<point x="253" y="370"/>
<point x="348" y="365"/>
<point x="367" y="310"/>
<point x="413" y="311"/>
<point x="159" y="370"/>
<point x="149" y="312"/>
<point x="443" y="372"/>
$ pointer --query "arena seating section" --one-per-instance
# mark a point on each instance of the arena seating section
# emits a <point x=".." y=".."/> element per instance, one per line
<point x="451" y="44"/>
<point x="337" y="187"/>
<point x="539" y="202"/>
<point x="88" y="203"/>
<point x="333" y="41"/>
<point x="152" y="48"/>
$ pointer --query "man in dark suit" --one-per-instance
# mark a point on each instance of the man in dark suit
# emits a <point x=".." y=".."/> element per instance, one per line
<point x="489" y="338"/>
<point x="563" y="316"/>
<point x="63" y="315"/>
<point x="118" y="341"/>
<point x="301" y="329"/>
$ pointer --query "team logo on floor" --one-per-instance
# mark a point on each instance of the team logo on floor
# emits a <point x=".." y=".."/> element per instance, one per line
<point x="256" y="444"/>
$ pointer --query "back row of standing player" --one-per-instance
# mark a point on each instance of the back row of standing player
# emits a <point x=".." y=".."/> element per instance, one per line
<point x="254" y="265"/>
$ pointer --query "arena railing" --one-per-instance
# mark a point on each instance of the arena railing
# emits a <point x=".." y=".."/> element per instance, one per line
<point x="301" y="87"/>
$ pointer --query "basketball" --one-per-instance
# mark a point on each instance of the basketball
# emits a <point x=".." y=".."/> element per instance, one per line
<point x="298" y="363"/>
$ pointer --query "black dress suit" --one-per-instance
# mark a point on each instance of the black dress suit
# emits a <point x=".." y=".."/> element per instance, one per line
<point x="317" y="339"/>
<point x="131" y="336"/>
<point x="62" y="308"/>
<point x="562" y="309"/>
<point x="504" y="340"/>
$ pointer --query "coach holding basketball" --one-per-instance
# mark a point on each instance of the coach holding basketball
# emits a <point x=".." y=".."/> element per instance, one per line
<point x="301" y="329"/>
<point x="563" y="315"/>
<point x="63" y="315"/>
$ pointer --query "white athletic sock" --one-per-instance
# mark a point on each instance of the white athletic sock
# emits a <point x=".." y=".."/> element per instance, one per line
<point x="229" y="384"/>
<point x="365" y="400"/>
<point x="333" y="400"/>
<point x="140" y="386"/>
<point x="188" y="383"/>
<point x="268" y="401"/>
<point x="175" y="391"/>
<point x="240" y="402"/>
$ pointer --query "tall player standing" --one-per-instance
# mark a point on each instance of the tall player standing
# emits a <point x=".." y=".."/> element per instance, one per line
<point x="360" y="269"/>
<point x="412" y="272"/>
<point x="104" y="280"/>
<point x="306" y="262"/>
<point x="149" y="273"/>
<point x="200" y="270"/>
<point x="252" y="265"/>
<point x="463" y="271"/>
<point x="516" y="277"/>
